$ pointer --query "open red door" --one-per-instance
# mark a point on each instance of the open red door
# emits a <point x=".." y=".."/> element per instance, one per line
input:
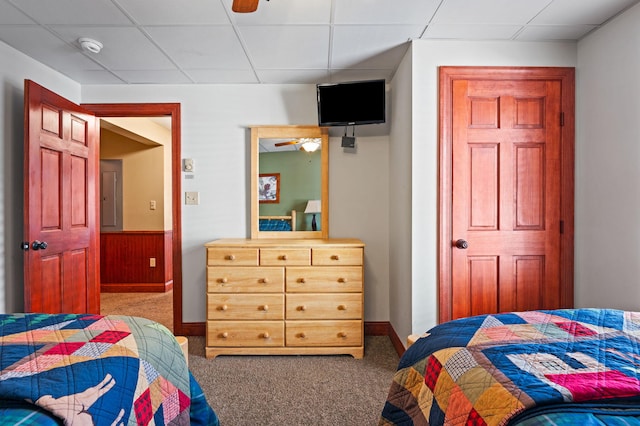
<point x="61" y="266"/>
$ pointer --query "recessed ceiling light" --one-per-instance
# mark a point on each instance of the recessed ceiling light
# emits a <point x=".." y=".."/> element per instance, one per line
<point x="90" y="45"/>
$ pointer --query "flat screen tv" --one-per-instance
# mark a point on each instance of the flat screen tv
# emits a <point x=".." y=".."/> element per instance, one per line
<point x="351" y="103"/>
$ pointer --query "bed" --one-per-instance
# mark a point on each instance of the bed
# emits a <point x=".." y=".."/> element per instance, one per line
<point x="92" y="369"/>
<point x="278" y="223"/>
<point x="562" y="367"/>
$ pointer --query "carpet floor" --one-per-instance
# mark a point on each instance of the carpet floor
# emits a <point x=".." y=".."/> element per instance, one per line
<point x="304" y="390"/>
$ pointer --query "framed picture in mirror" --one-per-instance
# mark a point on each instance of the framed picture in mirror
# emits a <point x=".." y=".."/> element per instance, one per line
<point x="269" y="188"/>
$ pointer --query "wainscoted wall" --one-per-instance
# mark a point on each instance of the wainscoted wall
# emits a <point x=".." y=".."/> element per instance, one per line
<point x="125" y="261"/>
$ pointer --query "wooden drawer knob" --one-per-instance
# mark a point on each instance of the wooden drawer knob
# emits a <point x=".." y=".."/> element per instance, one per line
<point x="302" y="308"/>
<point x="230" y="257"/>
<point x="342" y="280"/>
<point x="224" y="335"/>
<point x="223" y="307"/>
<point x="302" y="335"/>
<point x="342" y="334"/>
<point x="224" y="280"/>
<point x="264" y="280"/>
<point x="302" y="280"/>
<point x="342" y="308"/>
<point x="264" y="308"/>
<point x="283" y="257"/>
<point x="335" y="257"/>
<point x="265" y="335"/>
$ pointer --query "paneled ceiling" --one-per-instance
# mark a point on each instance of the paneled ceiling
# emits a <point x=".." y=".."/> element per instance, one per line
<point x="285" y="41"/>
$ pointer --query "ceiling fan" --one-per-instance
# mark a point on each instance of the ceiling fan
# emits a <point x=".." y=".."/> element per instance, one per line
<point x="306" y="144"/>
<point x="244" y="6"/>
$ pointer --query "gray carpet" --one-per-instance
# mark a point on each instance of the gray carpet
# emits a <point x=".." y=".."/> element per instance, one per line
<point x="296" y="390"/>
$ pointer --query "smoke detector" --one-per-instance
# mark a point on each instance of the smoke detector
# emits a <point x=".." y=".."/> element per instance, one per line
<point x="90" y="45"/>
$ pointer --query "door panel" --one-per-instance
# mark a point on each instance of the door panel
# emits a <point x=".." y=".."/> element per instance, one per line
<point x="61" y="148"/>
<point x="502" y="191"/>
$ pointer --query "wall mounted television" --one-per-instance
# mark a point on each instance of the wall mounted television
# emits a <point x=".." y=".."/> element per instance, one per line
<point x="351" y="103"/>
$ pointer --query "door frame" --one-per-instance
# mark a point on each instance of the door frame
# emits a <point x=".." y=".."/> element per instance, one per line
<point x="447" y="75"/>
<point x="154" y="110"/>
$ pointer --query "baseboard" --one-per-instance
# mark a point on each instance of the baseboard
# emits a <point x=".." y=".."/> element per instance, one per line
<point x="136" y="287"/>
<point x="371" y="328"/>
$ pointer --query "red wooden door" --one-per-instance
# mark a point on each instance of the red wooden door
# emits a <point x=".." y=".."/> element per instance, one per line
<point x="506" y="196"/>
<point x="61" y="243"/>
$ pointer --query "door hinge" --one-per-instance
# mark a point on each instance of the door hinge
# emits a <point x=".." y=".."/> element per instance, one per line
<point x="562" y="119"/>
<point x="562" y="226"/>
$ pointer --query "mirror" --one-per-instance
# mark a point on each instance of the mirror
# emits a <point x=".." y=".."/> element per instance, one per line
<point x="287" y="181"/>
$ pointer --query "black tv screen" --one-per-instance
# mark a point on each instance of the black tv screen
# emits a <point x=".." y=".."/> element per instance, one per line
<point x="351" y="103"/>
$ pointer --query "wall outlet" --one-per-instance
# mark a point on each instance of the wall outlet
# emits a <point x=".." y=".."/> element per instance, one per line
<point x="152" y="205"/>
<point x="192" y="198"/>
<point x="152" y="262"/>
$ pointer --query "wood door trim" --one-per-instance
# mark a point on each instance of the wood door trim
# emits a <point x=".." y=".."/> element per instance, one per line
<point x="151" y="110"/>
<point x="447" y="75"/>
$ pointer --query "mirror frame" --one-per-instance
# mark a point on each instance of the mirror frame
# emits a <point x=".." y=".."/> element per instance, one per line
<point x="258" y="132"/>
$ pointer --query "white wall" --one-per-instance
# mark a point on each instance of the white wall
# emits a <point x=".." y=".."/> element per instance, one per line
<point x="607" y="261"/>
<point x="215" y="121"/>
<point x="427" y="56"/>
<point x="400" y="195"/>
<point x="14" y="69"/>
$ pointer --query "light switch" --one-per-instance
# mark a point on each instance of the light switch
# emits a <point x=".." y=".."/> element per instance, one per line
<point x="152" y="262"/>
<point x="192" y="198"/>
<point x="152" y="205"/>
<point x="187" y="165"/>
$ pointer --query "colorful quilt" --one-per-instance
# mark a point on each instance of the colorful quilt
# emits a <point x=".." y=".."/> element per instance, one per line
<point x="499" y="369"/>
<point x="92" y="369"/>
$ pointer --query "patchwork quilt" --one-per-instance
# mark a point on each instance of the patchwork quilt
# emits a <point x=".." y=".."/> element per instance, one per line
<point x="92" y="369"/>
<point x="520" y="367"/>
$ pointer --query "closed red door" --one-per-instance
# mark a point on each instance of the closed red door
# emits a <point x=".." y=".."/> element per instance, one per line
<point x="507" y="217"/>
<point x="61" y="246"/>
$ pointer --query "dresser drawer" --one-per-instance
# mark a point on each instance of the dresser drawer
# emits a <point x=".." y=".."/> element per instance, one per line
<point x="336" y="256"/>
<point x="324" y="306"/>
<point x="324" y="333"/>
<point x="232" y="256"/>
<point x="221" y="279"/>
<point x="245" y="306"/>
<point x="326" y="279"/>
<point x="285" y="257"/>
<point x="245" y="333"/>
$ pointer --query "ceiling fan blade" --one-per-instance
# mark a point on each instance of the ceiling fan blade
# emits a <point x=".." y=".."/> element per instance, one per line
<point x="286" y="143"/>
<point x="244" y="6"/>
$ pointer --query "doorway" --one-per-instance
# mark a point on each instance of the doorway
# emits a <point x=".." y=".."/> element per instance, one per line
<point x="135" y="218"/>
<point x="171" y="110"/>
<point x="506" y="190"/>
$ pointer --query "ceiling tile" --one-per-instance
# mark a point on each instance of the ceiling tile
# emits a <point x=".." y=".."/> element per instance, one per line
<point x="292" y="76"/>
<point x="206" y="76"/>
<point x="153" y="76"/>
<point x="125" y="48"/>
<point x="171" y="12"/>
<point x="371" y="46"/>
<point x="471" y="31"/>
<point x="283" y="47"/>
<point x="73" y="12"/>
<point x="554" y="32"/>
<point x="489" y="11"/>
<point x="201" y="46"/>
<point x="11" y="15"/>
<point x="45" y="47"/>
<point x="285" y="12"/>
<point x="94" y="77"/>
<point x="384" y="11"/>
<point x="576" y="12"/>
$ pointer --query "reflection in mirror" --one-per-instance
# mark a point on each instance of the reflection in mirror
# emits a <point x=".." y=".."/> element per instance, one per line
<point x="289" y="169"/>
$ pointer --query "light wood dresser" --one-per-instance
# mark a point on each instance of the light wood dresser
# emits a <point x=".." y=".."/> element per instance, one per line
<point x="285" y="296"/>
